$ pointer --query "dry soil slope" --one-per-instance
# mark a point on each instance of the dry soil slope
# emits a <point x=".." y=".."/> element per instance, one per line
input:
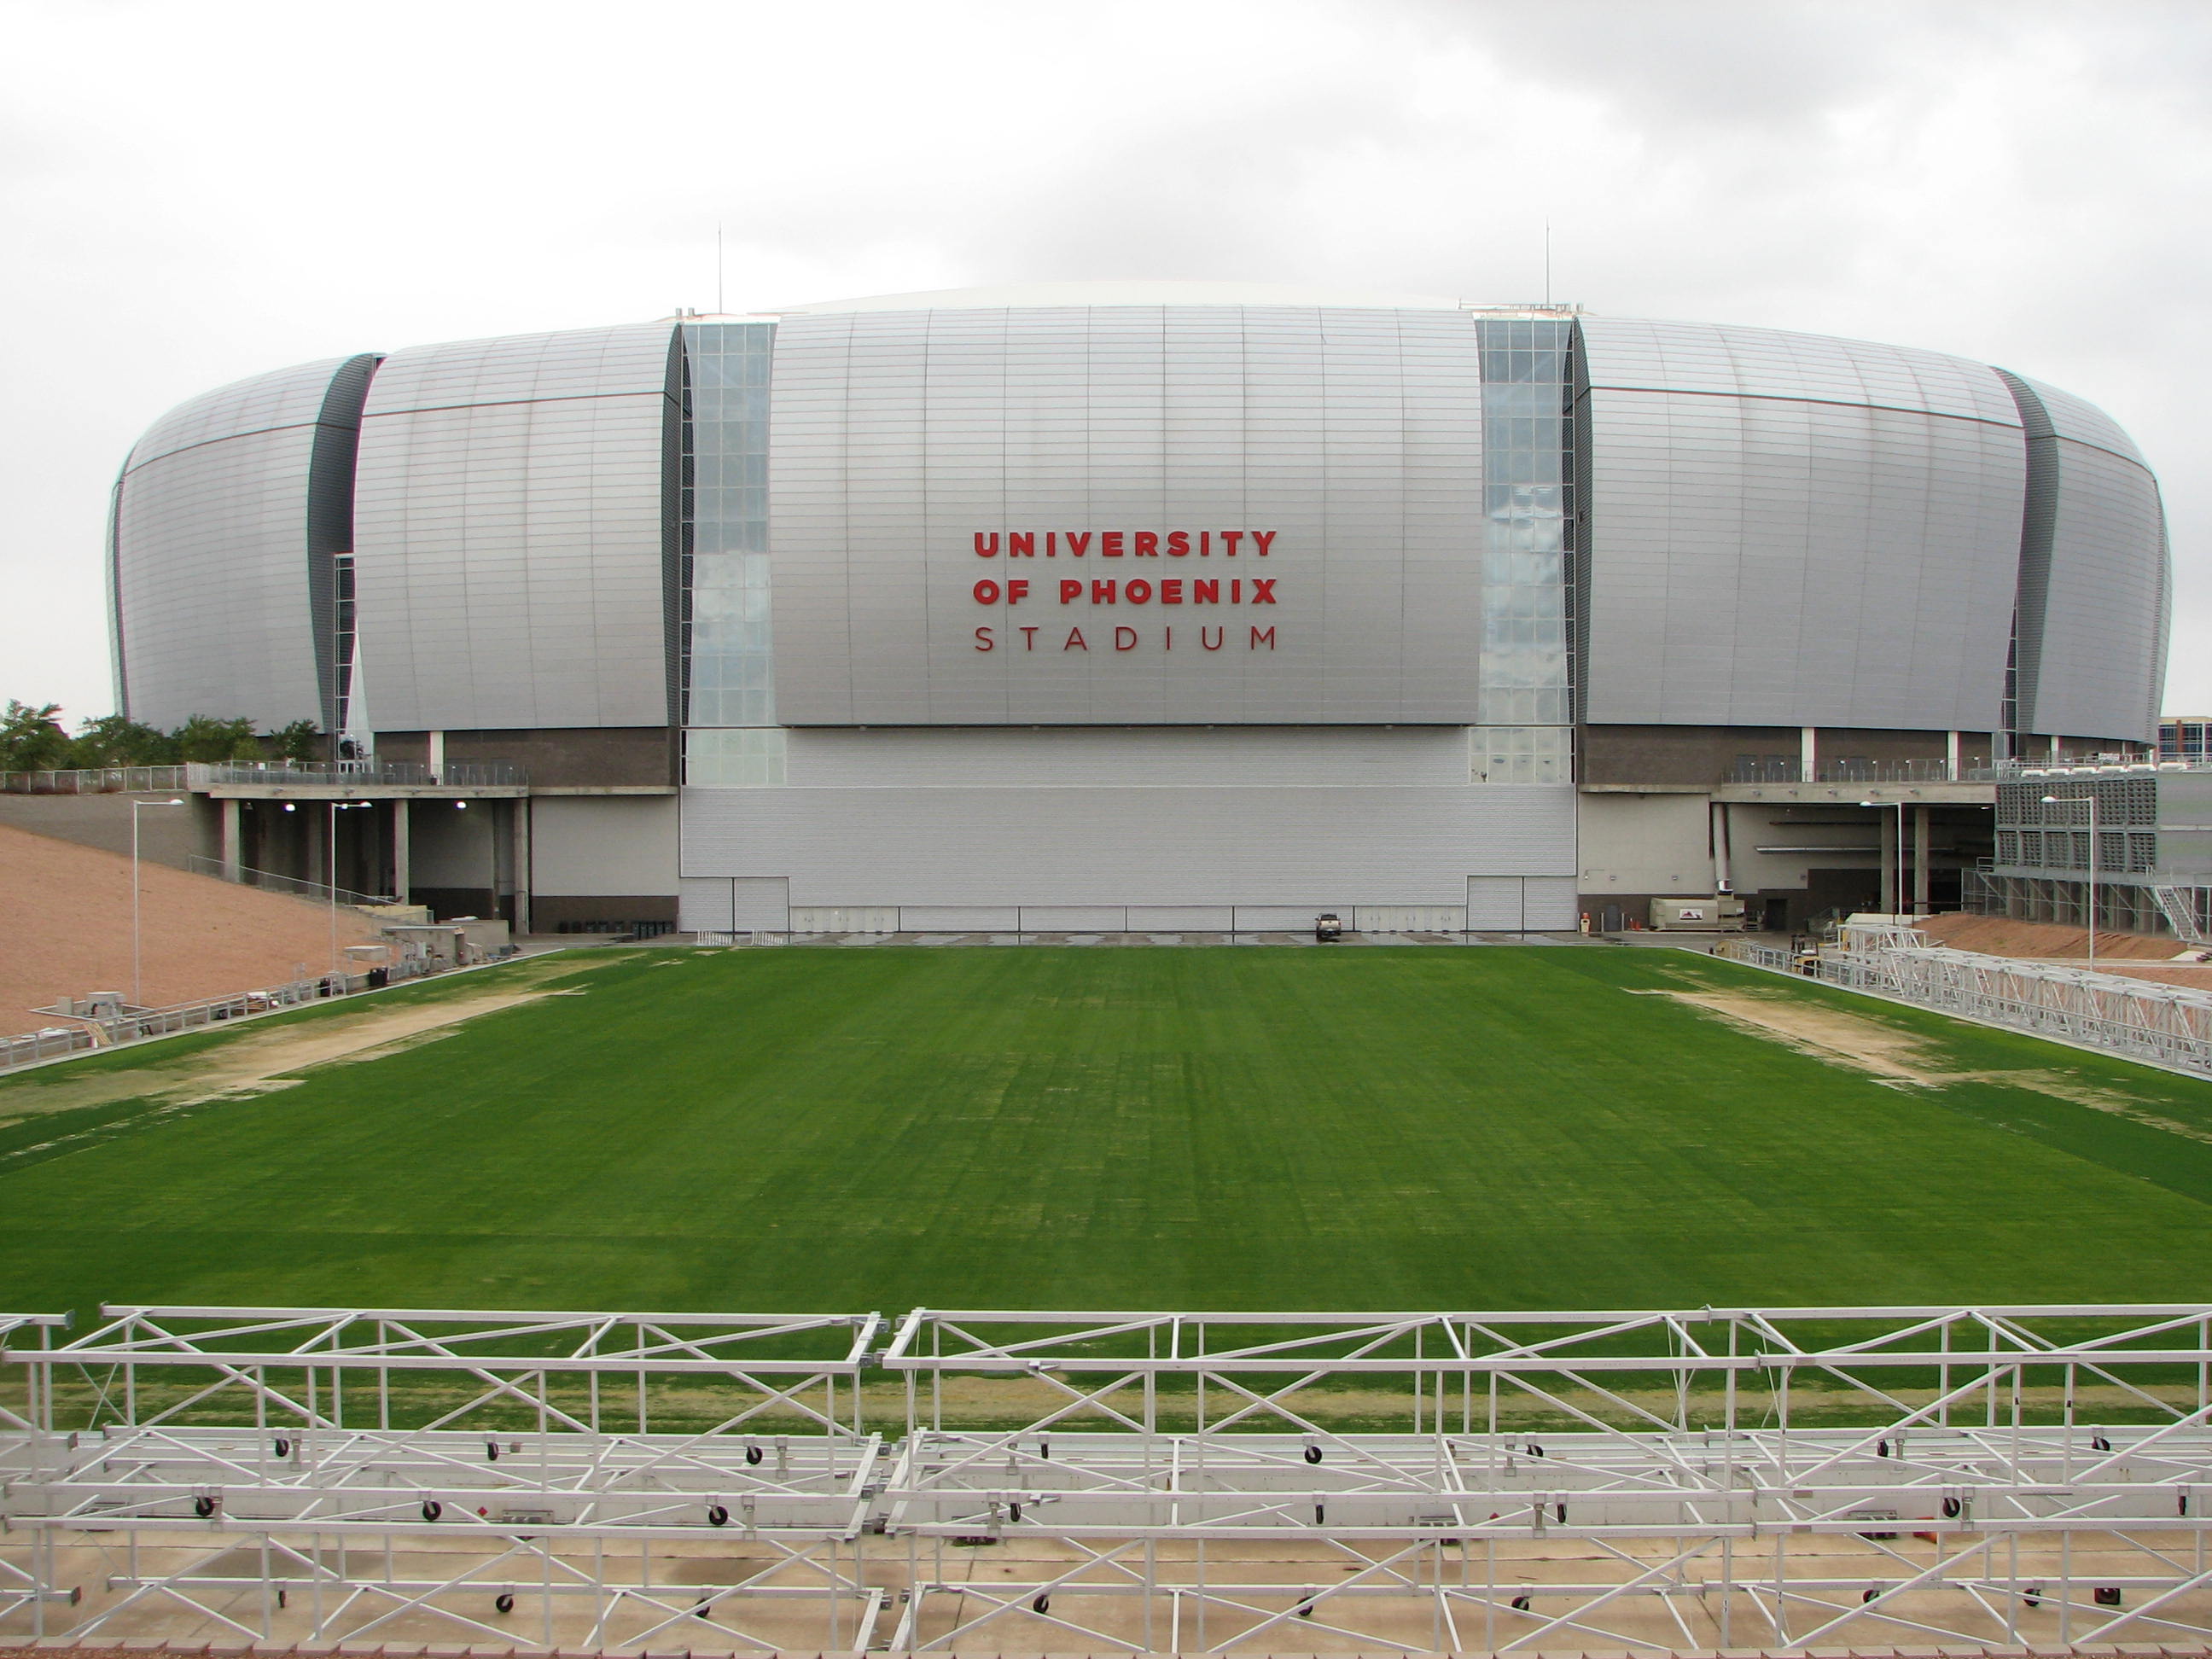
<point x="65" y="929"/>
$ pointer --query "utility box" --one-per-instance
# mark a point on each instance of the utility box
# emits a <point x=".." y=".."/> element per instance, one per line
<point x="1720" y="913"/>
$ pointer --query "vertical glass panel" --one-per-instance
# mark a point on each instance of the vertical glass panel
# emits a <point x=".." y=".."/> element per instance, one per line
<point x="1525" y="677"/>
<point x="729" y="662"/>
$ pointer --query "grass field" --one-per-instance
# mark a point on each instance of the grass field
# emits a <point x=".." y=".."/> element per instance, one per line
<point x="1366" y="1128"/>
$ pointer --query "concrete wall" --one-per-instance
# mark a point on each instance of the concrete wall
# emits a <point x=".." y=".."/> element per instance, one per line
<point x="167" y="835"/>
<point x="587" y="846"/>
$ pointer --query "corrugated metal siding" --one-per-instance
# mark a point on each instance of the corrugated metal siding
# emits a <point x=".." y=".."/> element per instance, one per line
<point x="509" y="536"/>
<point x="2103" y="630"/>
<point x="210" y="564"/>
<point x="1786" y="530"/>
<point x="1124" y="758"/>
<point x="2099" y="665"/>
<point x="1299" y="847"/>
<point x="1356" y="434"/>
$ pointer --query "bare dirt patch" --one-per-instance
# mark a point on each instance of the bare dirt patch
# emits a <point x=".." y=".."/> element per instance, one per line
<point x="258" y="1062"/>
<point x="1827" y="1034"/>
<point x="1900" y="1058"/>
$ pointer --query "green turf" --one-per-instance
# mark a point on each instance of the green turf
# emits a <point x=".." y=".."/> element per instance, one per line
<point x="851" y="1128"/>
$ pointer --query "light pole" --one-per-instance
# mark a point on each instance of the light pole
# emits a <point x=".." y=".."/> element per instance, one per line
<point x="1896" y="865"/>
<point x="2089" y="801"/>
<point x="330" y="871"/>
<point x="138" y="971"/>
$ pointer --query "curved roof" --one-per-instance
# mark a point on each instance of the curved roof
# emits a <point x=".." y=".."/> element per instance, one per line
<point x="1008" y="294"/>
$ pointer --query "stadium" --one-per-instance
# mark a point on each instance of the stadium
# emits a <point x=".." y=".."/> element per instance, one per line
<point x="1127" y="607"/>
<point x="1468" y="1286"/>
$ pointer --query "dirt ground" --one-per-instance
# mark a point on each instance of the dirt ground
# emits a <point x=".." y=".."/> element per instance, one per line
<point x="65" y="930"/>
<point x="2137" y="956"/>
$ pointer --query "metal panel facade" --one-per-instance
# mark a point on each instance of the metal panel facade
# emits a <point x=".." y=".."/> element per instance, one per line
<point x="508" y="521"/>
<point x="1323" y="468"/>
<point x="210" y="576"/>
<point x="1119" y="819"/>
<point x="1788" y="530"/>
<point x="2102" y="665"/>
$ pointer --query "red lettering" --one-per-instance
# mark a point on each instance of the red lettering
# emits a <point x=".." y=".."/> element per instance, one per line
<point x="1109" y="543"/>
<point x="1178" y="543"/>
<point x="987" y="549"/>
<point x="1171" y="591"/>
<point x="1078" y="543"/>
<point x="1070" y="591"/>
<point x="1121" y="644"/>
<point x="1146" y="544"/>
<point x="1167" y="638"/>
<point x="1228" y="540"/>
<point x="1021" y="544"/>
<point x="1206" y="544"/>
<point x="1017" y="591"/>
<point x="1260" y="634"/>
<point x="1214" y="644"/>
<point x="1205" y="590"/>
<point x="1075" y="641"/>
<point x="984" y="642"/>
<point x="1139" y="591"/>
<point x="987" y="593"/>
<point x="1261" y="541"/>
<point x="1237" y="592"/>
<point x="1263" y="589"/>
<point x="1029" y="639"/>
<point x="1102" y="592"/>
<point x="1051" y="545"/>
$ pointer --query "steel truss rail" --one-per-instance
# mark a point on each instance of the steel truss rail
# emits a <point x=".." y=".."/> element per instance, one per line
<point x="1784" y="1478"/>
<point x="2139" y="1019"/>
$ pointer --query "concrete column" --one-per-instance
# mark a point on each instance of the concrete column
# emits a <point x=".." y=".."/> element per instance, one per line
<point x="522" y="881"/>
<point x="1808" y="755"/>
<point x="1717" y="830"/>
<point x="232" y="834"/>
<point x="1921" y="906"/>
<point x="1886" y="817"/>
<point x="400" y="879"/>
<point x="1954" y="754"/>
<point x="437" y="755"/>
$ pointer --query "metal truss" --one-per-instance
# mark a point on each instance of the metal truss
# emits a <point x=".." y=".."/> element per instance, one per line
<point x="358" y="1472"/>
<point x="1784" y="1479"/>
<point x="2139" y="1019"/>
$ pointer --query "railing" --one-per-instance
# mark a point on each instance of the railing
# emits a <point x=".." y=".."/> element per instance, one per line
<point x="1850" y="770"/>
<point x="1792" y="1480"/>
<point x="50" y="1044"/>
<point x="201" y="863"/>
<point x="455" y="774"/>
<point x="2138" y="1019"/>
<point x="97" y="780"/>
<point x="139" y="780"/>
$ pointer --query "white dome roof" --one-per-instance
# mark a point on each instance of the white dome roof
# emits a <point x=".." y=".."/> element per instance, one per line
<point x="1010" y="294"/>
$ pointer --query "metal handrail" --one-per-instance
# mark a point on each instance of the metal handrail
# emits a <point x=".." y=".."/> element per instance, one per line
<point x="97" y="780"/>
<point x="244" y="876"/>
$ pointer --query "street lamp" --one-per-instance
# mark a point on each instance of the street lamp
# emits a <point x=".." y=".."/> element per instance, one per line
<point x="137" y="972"/>
<point x="1897" y="864"/>
<point x="331" y="870"/>
<point x="2089" y="801"/>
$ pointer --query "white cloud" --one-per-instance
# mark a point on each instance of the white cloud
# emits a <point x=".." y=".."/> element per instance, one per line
<point x="197" y="193"/>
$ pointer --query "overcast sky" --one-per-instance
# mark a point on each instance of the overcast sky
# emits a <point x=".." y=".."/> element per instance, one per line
<point x="196" y="190"/>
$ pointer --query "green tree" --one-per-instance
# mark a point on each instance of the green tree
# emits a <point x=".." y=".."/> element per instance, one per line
<point x="300" y="742"/>
<point x="205" y="738"/>
<point x="115" y="740"/>
<point x="32" y="740"/>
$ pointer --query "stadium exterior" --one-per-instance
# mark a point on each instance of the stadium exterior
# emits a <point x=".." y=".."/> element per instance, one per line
<point x="1140" y="606"/>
